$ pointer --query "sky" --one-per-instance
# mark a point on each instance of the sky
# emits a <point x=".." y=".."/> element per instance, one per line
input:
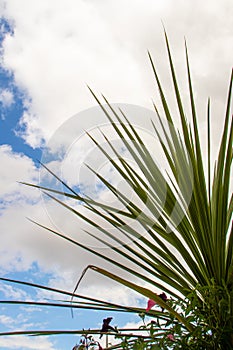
<point x="50" y="52"/>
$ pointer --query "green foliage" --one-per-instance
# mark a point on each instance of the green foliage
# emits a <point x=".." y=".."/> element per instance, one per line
<point x="188" y="249"/>
<point x="164" y="332"/>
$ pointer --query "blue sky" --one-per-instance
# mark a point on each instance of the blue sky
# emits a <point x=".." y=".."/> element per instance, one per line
<point x="49" y="52"/>
<point x="12" y="105"/>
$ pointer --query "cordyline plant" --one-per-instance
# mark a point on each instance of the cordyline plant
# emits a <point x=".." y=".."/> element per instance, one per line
<point x="188" y="249"/>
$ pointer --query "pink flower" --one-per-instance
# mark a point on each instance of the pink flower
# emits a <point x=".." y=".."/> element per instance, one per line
<point x="150" y="304"/>
<point x="171" y="337"/>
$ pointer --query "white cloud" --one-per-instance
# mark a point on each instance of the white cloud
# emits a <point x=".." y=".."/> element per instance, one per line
<point x="25" y="343"/>
<point x="16" y="167"/>
<point x="29" y="130"/>
<point x="30" y="309"/>
<point x="24" y="243"/>
<point x="19" y="321"/>
<point x="6" y="98"/>
<point x="12" y="293"/>
<point x="58" y="47"/>
<point x="6" y="320"/>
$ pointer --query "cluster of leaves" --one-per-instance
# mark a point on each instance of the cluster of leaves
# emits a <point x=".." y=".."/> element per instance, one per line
<point x="165" y="332"/>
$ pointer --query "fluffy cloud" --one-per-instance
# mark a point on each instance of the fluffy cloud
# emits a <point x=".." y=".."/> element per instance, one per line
<point x="6" y="98"/>
<point x="57" y="47"/>
<point x="6" y="320"/>
<point x="22" y="342"/>
<point x="19" y="322"/>
<point x="12" y="293"/>
<point x="24" y="242"/>
<point x="15" y="168"/>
